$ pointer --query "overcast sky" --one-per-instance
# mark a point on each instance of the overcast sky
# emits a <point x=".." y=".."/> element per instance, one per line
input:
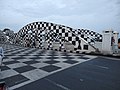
<point x="97" y="15"/>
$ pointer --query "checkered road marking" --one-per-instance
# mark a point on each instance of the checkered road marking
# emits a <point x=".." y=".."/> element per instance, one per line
<point x="23" y="65"/>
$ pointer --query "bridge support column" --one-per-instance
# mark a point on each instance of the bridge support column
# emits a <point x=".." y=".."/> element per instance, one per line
<point x="116" y="34"/>
<point x="107" y="42"/>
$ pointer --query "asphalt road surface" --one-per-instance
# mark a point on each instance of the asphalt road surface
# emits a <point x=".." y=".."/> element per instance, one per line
<point x="100" y="73"/>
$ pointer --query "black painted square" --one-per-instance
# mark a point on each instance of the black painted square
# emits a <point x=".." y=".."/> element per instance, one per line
<point x="69" y="38"/>
<point x="5" y="57"/>
<point x="20" y="57"/>
<point x="73" y="42"/>
<point x="35" y="57"/>
<point x="4" y="68"/>
<point x="50" y="68"/>
<point x="14" y="80"/>
<point x="79" y="55"/>
<point x="51" y="62"/>
<point x="23" y="55"/>
<point x="85" y="47"/>
<point x="52" y="57"/>
<point x="8" y="55"/>
<point x="68" y="58"/>
<point x="24" y="69"/>
<point x="83" y="57"/>
<point x="71" y="61"/>
<point x="10" y="62"/>
<point x="42" y="55"/>
<point x="31" y="62"/>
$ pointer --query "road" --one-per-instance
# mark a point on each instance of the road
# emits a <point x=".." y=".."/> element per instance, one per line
<point x="36" y="69"/>
<point x="97" y="74"/>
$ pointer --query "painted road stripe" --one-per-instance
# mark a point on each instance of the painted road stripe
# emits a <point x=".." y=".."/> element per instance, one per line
<point x="59" y="85"/>
<point x="102" y="67"/>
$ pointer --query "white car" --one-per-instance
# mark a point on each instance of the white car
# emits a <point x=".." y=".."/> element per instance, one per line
<point x="1" y="57"/>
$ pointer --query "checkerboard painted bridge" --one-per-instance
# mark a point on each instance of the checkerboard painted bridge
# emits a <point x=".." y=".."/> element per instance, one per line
<point x="59" y="37"/>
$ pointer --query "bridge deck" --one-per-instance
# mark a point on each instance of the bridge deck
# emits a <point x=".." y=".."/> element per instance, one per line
<point x="25" y="65"/>
<point x="27" y="68"/>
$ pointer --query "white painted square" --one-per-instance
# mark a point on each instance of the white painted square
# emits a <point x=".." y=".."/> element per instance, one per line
<point x="90" y="56"/>
<point x="23" y="60"/>
<point x="61" y="59"/>
<point x="16" y="65"/>
<point x="6" y="60"/>
<point x="35" y="74"/>
<point x="80" y="60"/>
<point x="7" y="73"/>
<point x="62" y="65"/>
<point x="39" y="65"/>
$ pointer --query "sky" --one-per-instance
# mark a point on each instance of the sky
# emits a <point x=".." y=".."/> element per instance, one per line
<point x="96" y="15"/>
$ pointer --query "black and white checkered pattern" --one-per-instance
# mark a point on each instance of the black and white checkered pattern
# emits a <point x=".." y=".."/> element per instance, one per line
<point x="89" y="36"/>
<point x="94" y="36"/>
<point x="52" y="33"/>
<point x="23" y="65"/>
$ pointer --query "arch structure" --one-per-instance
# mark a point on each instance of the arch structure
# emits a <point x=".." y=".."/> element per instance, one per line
<point x="88" y="35"/>
<point x="93" y="35"/>
<point x="49" y="35"/>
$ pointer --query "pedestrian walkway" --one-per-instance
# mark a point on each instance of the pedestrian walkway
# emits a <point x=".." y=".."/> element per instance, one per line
<point x="23" y="65"/>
